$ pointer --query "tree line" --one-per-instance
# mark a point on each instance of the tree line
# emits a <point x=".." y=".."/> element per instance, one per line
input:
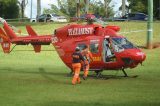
<point x="103" y="7"/>
<point x="9" y="9"/>
<point x="15" y="8"/>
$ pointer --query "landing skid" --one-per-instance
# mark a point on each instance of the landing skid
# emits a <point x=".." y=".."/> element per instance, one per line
<point x="100" y="76"/>
<point x="126" y="75"/>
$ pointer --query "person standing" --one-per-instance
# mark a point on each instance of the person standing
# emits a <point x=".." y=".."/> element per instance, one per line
<point x="88" y="58"/>
<point x="76" y="65"/>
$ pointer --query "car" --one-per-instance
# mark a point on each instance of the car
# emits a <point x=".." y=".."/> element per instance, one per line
<point x="84" y="17"/>
<point x="43" y="18"/>
<point x="132" y="16"/>
<point x="57" y="18"/>
<point x="51" y="18"/>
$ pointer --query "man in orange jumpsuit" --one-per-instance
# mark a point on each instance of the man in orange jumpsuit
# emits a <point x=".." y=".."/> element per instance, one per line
<point x="76" y="65"/>
<point x="88" y="58"/>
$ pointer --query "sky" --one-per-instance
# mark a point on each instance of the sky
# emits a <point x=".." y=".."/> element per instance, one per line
<point x="45" y="4"/>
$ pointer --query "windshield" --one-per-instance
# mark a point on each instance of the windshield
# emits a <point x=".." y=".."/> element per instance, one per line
<point x="122" y="43"/>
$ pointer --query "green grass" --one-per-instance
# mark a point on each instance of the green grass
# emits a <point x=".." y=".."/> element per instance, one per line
<point x="30" y="79"/>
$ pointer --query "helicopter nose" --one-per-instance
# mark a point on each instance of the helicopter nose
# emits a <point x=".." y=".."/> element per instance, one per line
<point x="135" y="57"/>
<point x="139" y="57"/>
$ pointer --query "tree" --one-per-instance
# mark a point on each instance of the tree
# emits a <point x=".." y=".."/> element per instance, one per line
<point x="142" y="6"/>
<point x="106" y="6"/>
<point x="156" y="8"/>
<point x="54" y="9"/>
<point x="138" y="5"/>
<point x="22" y="5"/>
<point x="86" y="6"/>
<point x="9" y="9"/>
<point x="68" y="7"/>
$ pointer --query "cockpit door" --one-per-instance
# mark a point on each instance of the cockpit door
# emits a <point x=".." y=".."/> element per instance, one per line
<point x="108" y="52"/>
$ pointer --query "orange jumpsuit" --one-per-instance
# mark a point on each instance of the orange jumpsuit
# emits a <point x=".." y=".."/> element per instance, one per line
<point x="76" y="66"/>
<point x="88" y="58"/>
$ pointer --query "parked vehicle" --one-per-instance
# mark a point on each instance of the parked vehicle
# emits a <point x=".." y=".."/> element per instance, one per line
<point x="83" y="17"/>
<point x="132" y="16"/>
<point x="43" y="18"/>
<point x="50" y="18"/>
<point x="57" y="18"/>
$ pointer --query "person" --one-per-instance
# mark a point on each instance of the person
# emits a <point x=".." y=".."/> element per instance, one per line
<point x="88" y="58"/>
<point x="108" y="53"/>
<point x="76" y="65"/>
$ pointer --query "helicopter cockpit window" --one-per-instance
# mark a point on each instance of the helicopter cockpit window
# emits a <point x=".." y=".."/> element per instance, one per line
<point x="82" y="46"/>
<point x="120" y="44"/>
<point x="94" y="47"/>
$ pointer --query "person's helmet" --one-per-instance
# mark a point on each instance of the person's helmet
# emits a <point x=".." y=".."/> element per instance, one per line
<point x="77" y="49"/>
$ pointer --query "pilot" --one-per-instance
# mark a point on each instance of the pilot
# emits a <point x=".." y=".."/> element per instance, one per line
<point x="108" y="53"/>
<point x="76" y="65"/>
<point x="88" y="58"/>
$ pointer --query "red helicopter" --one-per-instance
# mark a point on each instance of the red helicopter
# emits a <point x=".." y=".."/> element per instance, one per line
<point x="110" y="50"/>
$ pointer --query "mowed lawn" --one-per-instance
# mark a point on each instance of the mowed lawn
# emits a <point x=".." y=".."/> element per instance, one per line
<point x="31" y="79"/>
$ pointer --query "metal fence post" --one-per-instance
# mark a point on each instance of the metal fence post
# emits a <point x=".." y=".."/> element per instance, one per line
<point x="150" y="24"/>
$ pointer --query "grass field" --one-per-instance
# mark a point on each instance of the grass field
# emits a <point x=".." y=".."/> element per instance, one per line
<point x="30" y="79"/>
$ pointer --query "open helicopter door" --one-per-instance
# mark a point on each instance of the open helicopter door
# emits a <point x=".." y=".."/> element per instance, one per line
<point x="95" y="49"/>
<point x="108" y="51"/>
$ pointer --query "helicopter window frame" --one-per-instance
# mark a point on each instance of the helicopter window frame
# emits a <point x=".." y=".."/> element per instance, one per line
<point x="94" y="47"/>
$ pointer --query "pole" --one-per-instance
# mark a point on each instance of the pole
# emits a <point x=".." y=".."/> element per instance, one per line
<point x="150" y="24"/>
<point x="38" y="7"/>
<point x="31" y="11"/>
<point x="78" y="8"/>
<point x="123" y="7"/>
<point x="159" y="9"/>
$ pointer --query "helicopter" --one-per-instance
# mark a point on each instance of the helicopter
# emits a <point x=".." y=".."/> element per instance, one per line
<point x="110" y="50"/>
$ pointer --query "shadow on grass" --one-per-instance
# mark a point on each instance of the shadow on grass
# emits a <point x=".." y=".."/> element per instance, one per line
<point x="40" y="71"/>
<point x="107" y="77"/>
<point x="117" y="74"/>
<point x="47" y="76"/>
<point x="52" y="77"/>
<point x="99" y="103"/>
